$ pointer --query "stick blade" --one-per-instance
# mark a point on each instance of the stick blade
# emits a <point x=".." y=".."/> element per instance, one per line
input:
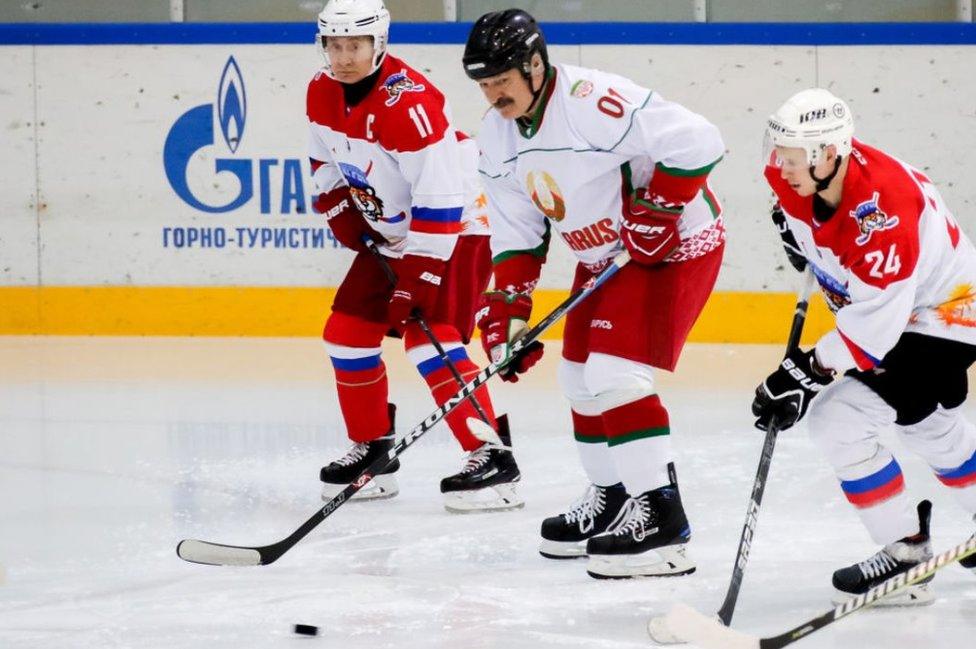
<point x="215" y="554"/>
<point x="706" y="631"/>
<point x="661" y="632"/>
<point x="484" y="432"/>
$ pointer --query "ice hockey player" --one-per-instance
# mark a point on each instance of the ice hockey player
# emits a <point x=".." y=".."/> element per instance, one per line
<point x="901" y="278"/>
<point x="390" y="166"/>
<point x="608" y="165"/>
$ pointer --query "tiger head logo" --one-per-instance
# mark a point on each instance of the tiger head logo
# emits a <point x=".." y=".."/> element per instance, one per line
<point x="398" y="83"/>
<point x="871" y="218"/>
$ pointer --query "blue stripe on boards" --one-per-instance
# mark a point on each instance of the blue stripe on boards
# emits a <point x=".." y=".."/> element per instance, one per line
<point x="873" y="481"/>
<point x="947" y="33"/>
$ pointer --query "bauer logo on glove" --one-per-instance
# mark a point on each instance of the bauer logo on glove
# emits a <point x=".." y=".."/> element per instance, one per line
<point x="785" y="395"/>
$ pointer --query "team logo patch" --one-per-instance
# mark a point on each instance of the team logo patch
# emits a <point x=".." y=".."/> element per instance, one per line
<point x="871" y="218"/>
<point x="399" y="83"/>
<point x="835" y="294"/>
<point x="581" y="88"/>
<point x="960" y="308"/>
<point x="364" y="195"/>
<point x="546" y="195"/>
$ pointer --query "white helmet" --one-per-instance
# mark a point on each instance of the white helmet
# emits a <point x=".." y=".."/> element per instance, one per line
<point x="355" y="18"/>
<point x="811" y="120"/>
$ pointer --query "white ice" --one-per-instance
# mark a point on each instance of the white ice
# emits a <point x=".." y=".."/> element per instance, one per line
<point x="114" y="449"/>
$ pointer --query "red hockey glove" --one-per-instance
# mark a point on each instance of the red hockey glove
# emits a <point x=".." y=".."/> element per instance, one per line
<point x="503" y="319"/>
<point x="418" y="281"/>
<point x="344" y="218"/>
<point x="649" y="231"/>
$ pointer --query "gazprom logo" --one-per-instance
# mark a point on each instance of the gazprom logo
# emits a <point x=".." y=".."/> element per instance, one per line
<point x="194" y="131"/>
<point x="232" y="104"/>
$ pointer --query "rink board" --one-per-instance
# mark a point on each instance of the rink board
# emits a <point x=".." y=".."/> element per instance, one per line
<point x="141" y="198"/>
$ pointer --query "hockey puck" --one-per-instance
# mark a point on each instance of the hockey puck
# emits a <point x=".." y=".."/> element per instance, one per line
<point x="306" y="629"/>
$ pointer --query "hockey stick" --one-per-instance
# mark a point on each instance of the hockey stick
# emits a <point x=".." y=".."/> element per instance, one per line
<point x="422" y="322"/>
<point x="217" y="554"/>
<point x="658" y="627"/>
<point x="708" y="633"/>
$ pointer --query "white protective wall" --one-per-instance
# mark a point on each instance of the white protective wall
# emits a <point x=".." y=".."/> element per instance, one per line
<point x="107" y="215"/>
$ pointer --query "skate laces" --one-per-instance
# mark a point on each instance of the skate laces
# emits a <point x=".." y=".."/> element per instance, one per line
<point x="355" y="454"/>
<point x="477" y="459"/>
<point x="632" y="518"/>
<point x="585" y="510"/>
<point x="878" y="565"/>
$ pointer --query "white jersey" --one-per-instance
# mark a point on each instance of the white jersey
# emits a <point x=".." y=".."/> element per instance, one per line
<point x="412" y="176"/>
<point x="890" y="259"/>
<point x="595" y="137"/>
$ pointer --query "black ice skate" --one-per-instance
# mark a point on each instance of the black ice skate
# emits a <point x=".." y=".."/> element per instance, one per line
<point x="487" y="482"/>
<point x="893" y="559"/>
<point x="648" y="538"/>
<point x="970" y="561"/>
<point x="337" y="475"/>
<point x="564" y="536"/>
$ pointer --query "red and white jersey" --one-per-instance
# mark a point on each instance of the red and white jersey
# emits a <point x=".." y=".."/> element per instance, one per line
<point x="409" y="174"/>
<point x="595" y="137"/>
<point x="891" y="259"/>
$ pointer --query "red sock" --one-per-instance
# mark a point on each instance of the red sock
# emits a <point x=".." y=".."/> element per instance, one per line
<point x="441" y="380"/>
<point x="361" y="380"/>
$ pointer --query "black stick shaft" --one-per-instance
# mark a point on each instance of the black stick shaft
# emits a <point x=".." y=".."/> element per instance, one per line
<point x="762" y="472"/>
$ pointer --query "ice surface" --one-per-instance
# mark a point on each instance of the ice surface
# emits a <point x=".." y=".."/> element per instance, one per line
<point x="114" y="449"/>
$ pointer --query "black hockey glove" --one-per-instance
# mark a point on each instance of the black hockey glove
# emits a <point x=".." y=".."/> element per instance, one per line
<point x="793" y="252"/>
<point x="786" y="393"/>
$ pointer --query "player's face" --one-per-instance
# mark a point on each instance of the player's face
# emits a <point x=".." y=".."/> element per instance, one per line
<point x="509" y="93"/>
<point x="351" y="57"/>
<point x="795" y="170"/>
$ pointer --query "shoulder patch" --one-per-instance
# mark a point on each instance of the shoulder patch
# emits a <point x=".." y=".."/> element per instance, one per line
<point x="398" y="83"/>
<point x="582" y="88"/>
<point x="870" y="218"/>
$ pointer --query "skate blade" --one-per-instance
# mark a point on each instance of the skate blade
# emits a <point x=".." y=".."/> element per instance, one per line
<point x="562" y="549"/>
<point x="380" y="487"/>
<point x="917" y="595"/>
<point x="666" y="561"/>
<point x="499" y="498"/>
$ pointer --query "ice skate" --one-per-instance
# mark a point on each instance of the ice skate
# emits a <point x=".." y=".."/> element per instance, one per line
<point x="647" y="539"/>
<point x="337" y="475"/>
<point x="970" y="562"/>
<point x="488" y="480"/>
<point x="893" y="559"/>
<point x="564" y="536"/>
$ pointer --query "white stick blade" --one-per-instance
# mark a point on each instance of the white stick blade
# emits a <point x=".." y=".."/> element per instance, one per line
<point x="660" y="631"/>
<point x="214" y="554"/>
<point x="484" y="432"/>
<point x="706" y="631"/>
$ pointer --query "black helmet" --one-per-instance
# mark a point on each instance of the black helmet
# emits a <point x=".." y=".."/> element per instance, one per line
<point x="502" y="41"/>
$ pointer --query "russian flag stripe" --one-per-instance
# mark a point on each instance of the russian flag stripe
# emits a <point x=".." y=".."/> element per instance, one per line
<point x="432" y="227"/>
<point x="356" y="364"/>
<point x="876" y="487"/>
<point x="864" y="360"/>
<point x="437" y="214"/>
<point x="433" y="364"/>
<point x="962" y="476"/>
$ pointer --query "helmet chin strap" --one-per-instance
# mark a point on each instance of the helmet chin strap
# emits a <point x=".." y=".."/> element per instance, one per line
<point x="823" y="183"/>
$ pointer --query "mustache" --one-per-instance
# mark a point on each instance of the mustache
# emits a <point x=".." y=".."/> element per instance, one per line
<point x="503" y="102"/>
